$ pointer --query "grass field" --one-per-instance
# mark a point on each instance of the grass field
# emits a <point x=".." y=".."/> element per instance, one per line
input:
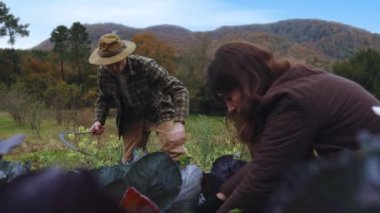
<point x="207" y="139"/>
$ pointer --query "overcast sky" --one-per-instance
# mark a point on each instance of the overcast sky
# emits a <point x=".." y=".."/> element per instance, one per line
<point x="196" y="15"/>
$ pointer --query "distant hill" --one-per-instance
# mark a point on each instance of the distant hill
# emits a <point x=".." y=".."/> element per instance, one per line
<point x="297" y="38"/>
<point x="173" y="35"/>
<point x="330" y="38"/>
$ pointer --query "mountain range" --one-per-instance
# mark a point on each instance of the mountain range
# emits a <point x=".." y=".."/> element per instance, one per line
<point x="306" y="39"/>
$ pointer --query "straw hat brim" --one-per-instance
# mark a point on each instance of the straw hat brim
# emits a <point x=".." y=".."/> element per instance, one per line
<point x="97" y="60"/>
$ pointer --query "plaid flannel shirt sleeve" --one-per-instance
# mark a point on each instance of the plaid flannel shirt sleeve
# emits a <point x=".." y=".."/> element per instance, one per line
<point x="170" y="85"/>
<point x="102" y="101"/>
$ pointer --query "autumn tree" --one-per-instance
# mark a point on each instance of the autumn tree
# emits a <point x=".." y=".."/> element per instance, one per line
<point x="62" y="96"/>
<point x="150" y="46"/>
<point x="193" y="65"/>
<point x="195" y="58"/>
<point x="60" y="36"/>
<point x="36" y="77"/>
<point x="7" y="75"/>
<point x="25" y="100"/>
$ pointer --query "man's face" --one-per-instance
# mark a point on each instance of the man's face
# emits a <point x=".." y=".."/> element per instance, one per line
<point x="118" y="67"/>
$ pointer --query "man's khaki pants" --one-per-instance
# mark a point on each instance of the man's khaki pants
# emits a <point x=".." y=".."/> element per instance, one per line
<point x="137" y="135"/>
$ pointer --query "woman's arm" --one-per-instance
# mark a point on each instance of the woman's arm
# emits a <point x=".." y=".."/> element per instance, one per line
<point x="287" y="137"/>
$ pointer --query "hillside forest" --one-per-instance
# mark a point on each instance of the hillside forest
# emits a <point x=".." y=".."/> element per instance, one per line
<point x="55" y="75"/>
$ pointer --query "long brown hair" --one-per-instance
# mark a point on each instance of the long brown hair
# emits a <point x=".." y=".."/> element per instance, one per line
<point x="251" y="70"/>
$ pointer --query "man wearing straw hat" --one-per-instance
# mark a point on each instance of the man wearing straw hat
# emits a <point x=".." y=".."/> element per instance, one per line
<point x="148" y="98"/>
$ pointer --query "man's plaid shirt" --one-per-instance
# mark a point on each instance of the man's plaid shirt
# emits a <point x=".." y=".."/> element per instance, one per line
<point x="152" y="93"/>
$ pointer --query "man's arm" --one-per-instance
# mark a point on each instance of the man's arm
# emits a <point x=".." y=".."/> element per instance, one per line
<point x="171" y="86"/>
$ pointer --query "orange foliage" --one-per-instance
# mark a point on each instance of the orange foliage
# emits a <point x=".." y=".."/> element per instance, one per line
<point x="34" y="66"/>
<point x="150" y="46"/>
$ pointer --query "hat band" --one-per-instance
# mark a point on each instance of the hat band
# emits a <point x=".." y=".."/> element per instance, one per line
<point x="104" y="54"/>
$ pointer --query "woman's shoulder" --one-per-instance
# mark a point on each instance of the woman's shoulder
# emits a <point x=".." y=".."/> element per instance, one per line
<point x="301" y="81"/>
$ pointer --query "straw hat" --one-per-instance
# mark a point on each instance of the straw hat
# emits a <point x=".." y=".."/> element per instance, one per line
<point x="111" y="49"/>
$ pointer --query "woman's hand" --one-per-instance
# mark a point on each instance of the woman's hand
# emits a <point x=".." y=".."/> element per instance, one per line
<point x="212" y="204"/>
<point x="221" y="196"/>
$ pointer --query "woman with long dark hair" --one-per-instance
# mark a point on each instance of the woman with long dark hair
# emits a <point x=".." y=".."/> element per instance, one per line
<point x="285" y="113"/>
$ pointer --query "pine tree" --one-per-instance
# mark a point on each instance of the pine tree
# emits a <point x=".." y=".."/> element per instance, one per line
<point x="79" y="44"/>
<point x="60" y="36"/>
<point x="9" y="25"/>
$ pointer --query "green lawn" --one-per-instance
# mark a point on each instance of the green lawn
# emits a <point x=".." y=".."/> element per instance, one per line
<point x="207" y="139"/>
<point x="8" y="127"/>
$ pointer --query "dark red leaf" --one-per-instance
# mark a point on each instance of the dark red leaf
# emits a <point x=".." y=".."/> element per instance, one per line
<point x="135" y="202"/>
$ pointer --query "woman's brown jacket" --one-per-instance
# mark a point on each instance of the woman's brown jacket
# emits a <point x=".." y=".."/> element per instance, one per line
<point x="306" y="110"/>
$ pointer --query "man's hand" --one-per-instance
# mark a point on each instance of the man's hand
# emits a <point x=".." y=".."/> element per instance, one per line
<point x="178" y="132"/>
<point x="97" y="128"/>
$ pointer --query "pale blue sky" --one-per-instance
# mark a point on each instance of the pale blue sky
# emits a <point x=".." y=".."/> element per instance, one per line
<point x="196" y="15"/>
